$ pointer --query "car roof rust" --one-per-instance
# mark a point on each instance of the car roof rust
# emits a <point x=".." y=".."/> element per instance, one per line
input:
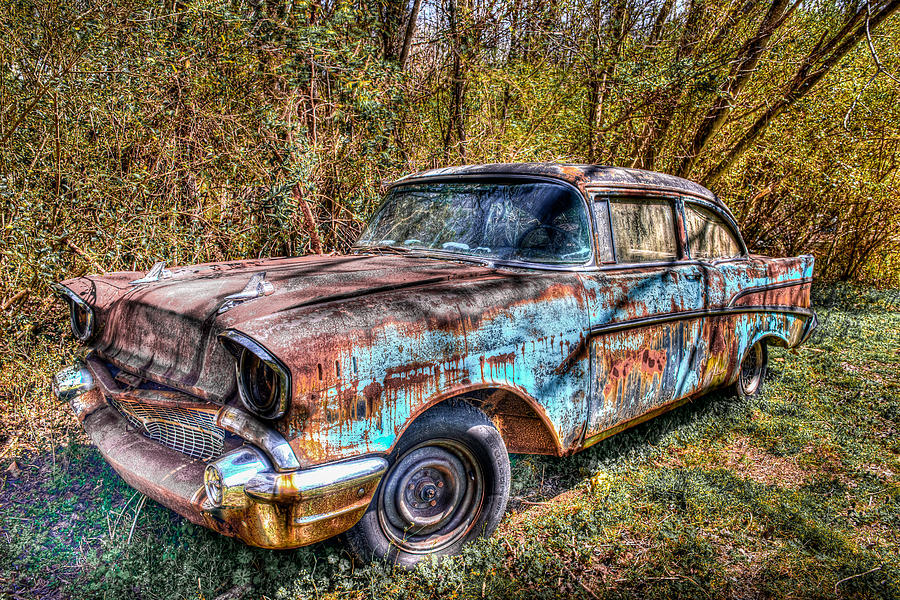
<point x="580" y="175"/>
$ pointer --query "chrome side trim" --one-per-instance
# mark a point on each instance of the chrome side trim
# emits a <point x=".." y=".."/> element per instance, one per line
<point x="772" y="286"/>
<point x="691" y="314"/>
<point x="268" y="440"/>
<point x="595" y="330"/>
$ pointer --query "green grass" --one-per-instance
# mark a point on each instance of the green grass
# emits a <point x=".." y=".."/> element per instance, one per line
<point x="793" y="495"/>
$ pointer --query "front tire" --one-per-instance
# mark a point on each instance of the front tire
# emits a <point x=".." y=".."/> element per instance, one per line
<point x="753" y="371"/>
<point x="448" y="483"/>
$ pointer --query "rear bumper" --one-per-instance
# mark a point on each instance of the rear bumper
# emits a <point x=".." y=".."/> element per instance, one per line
<point x="252" y="500"/>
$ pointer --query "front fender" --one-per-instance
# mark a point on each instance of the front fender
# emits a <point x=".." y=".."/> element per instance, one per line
<point x="363" y="370"/>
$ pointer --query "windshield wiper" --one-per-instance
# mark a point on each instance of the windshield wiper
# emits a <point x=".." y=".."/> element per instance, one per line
<point x="382" y="249"/>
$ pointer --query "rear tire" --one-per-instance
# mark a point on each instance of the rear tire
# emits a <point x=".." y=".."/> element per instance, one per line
<point x="448" y="483"/>
<point x="753" y="371"/>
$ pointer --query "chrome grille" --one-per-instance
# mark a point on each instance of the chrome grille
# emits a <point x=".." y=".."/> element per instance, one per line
<point x="190" y="430"/>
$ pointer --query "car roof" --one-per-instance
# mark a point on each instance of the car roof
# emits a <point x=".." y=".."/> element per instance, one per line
<point x="579" y="175"/>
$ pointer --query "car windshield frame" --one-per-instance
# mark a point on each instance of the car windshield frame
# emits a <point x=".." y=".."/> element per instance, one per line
<point x="444" y="253"/>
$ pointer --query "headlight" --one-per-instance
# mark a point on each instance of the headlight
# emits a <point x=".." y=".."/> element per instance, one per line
<point x="81" y="315"/>
<point x="263" y="383"/>
<point x="212" y="481"/>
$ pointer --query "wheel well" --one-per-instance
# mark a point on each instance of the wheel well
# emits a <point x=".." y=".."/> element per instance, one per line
<point x="523" y="428"/>
<point x="770" y="339"/>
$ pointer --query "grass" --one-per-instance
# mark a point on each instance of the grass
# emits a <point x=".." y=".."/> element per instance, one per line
<point x="792" y="495"/>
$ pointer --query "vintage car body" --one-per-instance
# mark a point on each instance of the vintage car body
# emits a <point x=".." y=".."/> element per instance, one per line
<point x="557" y="356"/>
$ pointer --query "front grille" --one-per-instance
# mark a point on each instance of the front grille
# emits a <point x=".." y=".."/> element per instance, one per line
<point x="190" y="430"/>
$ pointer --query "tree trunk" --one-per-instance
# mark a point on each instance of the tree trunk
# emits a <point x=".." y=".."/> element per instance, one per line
<point x="662" y="115"/>
<point x="823" y="57"/>
<point x="617" y="28"/>
<point x="743" y="68"/>
<point x="661" y="17"/>
<point x="410" y="33"/>
<point x="456" y="128"/>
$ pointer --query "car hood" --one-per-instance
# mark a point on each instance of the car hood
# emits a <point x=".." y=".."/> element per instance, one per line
<point x="166" y="331"/>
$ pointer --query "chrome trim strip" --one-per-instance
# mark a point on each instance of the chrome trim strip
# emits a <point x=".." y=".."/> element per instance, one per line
<point x="646" y="265"/>
<point x="703" y="312"/>
<point x="596" y="330"/>
<point x="644" y="188"/>
<point x="764" y="288"/>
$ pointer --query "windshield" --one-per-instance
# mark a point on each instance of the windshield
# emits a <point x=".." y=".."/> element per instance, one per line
<point x="529" y="221"/>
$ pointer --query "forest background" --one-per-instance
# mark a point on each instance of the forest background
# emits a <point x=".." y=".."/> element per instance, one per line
<point x="133" y="131"/>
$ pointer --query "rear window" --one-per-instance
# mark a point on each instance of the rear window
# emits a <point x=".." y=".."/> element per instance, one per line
<point x="643" y="230"/>
<point x="708" y="236"/>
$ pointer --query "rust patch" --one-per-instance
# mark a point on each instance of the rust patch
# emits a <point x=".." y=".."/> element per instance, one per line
<point x="648" y="363"/>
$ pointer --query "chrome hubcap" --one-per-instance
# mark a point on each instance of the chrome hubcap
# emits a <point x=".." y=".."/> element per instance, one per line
<point x="751" y="369"/>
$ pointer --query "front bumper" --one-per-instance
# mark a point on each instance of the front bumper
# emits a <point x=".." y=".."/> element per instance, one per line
<point x="253" y="500"/>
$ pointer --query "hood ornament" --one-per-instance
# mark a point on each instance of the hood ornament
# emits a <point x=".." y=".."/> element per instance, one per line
<point x="256" y="287"/>
<point x="157" y="272"/>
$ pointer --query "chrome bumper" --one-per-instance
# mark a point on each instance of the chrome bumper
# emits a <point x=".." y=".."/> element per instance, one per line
<point x="241" y="493"/>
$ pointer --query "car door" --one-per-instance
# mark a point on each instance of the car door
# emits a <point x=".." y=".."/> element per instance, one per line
<point x="716" y="245"/>
<point x="645" y="309"/>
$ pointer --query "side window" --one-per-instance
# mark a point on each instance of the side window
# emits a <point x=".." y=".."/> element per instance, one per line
<point x="643" y="230"/>
<point x="708" y="236"/>
<point x="600" y="206"/>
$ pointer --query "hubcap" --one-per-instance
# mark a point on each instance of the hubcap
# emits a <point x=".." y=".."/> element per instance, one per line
<point x="751" y="369"/>
<point x="432" y="496"/>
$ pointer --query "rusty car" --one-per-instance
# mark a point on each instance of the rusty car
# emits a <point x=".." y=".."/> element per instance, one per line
<point x="485" y="310"/>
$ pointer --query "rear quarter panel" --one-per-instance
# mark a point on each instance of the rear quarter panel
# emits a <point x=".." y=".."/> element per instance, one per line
<point x="753" y="299"/>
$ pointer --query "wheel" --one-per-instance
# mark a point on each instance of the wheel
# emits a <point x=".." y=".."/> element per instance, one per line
<point x="540" y="227"/>
<point x="448" y="483"/>
<point x="753" y="371"/>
